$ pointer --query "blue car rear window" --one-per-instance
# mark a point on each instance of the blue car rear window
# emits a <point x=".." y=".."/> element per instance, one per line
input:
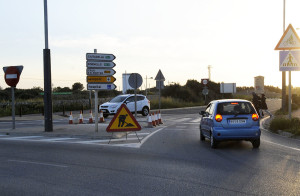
<point x="234" y="108"/>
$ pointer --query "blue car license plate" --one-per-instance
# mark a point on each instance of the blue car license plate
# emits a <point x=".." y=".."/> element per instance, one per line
<point x="237" y="121"/>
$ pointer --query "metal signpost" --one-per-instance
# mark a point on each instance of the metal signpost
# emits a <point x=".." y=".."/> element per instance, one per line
<point x="289" y="60"/>
<point x="159" y="84"/>
<point x="12" y="77"/>
<point x="135" y="80"/>
<point x="99" y="75"/>
<point x="205" y="89"/>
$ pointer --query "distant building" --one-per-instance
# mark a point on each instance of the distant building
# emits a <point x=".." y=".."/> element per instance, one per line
<point x="125" y="82"/>
<point x="259" y="84"/>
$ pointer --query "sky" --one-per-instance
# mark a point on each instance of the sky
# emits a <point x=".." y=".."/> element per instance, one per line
<point x="179" y="37"/>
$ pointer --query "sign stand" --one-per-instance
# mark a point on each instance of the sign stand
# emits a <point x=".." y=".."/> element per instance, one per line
<point x="99" y="76"/>
<point x="289" y="41"/>
<point x="13" y="106"/>
<point x="159" y="84"/>
<point x="135" y="81"/>
<point x="126" y="137"/>
<point x="12" y="77"/>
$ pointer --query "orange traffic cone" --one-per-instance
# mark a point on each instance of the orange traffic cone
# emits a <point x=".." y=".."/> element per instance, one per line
<point x="91" y="117"/>
<point x="80" y="120"/>
<point x="159" y="118"/>
<point x="156" y="118"/>
<point x="153" y="120"/>
<point x="101" y="120"/>
<point x="71" y="118"/>
<point x="150" y="125"/>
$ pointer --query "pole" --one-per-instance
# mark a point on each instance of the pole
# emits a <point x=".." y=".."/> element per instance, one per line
<point x="290" y="95"/>
<point x="159" y="104"/>
<point x="47" y="78"/>
<point x="13" y="107"/>
<point x="96" y="111"/>
<point x="135" y="99"/>
<point x="146" y="86"/>
<point x="96" y="105"/>
<point x="283" y="94"/>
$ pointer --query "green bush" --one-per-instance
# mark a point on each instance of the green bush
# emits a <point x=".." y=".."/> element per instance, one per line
<point x="279" y="123"/>
<point x="285" y="124"/>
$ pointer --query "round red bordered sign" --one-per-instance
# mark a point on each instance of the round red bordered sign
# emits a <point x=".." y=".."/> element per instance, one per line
<point x="12" y="76"/>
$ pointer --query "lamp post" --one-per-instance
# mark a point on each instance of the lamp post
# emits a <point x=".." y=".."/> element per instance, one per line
<point x="47" y="78"/>
<point x="146" y="84"/>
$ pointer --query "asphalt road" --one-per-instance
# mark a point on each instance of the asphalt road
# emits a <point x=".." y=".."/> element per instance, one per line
<point x="172" y="161"/>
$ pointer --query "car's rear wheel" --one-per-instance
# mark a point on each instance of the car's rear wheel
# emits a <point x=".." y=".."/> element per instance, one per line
<point x="105" y="115"/>
<point x="145" y="111"/>
<point x="202" y="138"/>
<point x="213" y="142"/>
<point x="256" y="143"/>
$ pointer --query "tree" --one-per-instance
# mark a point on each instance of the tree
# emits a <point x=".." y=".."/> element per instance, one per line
<point x="77" y="86"/>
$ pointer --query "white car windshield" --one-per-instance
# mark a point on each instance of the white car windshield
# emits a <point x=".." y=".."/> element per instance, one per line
<point x="118" y="99"/>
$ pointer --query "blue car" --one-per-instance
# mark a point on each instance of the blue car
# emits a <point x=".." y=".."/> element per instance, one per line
<point x="230" y="119"/>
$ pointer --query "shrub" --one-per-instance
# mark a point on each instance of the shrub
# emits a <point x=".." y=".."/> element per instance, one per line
<point x="285" y="124"/>
<point x="279" y="123"/>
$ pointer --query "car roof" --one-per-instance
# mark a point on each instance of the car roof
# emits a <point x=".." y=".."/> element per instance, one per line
<point x="229" y="100"/>
<point x="128" y="95"/>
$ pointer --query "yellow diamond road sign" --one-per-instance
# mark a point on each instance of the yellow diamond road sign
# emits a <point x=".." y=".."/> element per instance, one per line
<point x="289" y="40"/>
<point x="123" y="121"/>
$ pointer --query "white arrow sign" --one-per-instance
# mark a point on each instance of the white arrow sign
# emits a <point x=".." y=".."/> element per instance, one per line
<point x="99" y="56"/>
<point x="100" y="64"/>
<point x="101" y="86"/>
<point x="100" y="72"/>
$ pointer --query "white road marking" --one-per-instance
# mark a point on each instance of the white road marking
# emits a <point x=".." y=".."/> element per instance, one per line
<point x="57" y="139"/>
<point x="182" y="119"/>
<point x="37" y="163"/>
<point x="138" y="134"/>
<point x="21" y="138"/>
<point x="196" y="120"/>
<point x="297" y="149"/>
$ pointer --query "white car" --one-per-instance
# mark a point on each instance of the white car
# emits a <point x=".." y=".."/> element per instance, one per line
<point x="111" y="107"/>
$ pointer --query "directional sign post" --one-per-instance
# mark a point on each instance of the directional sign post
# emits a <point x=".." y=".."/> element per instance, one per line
<point x="12" y="77"/>
<point x="99" y="75"/>
<point x="159" y="81"/>
<point x="289" y="61"/>
<point x="135" y="81"/>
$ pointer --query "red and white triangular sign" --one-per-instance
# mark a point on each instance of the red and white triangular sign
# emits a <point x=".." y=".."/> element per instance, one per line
<point x="123" y="121"/>
<point x="289" y="40"/>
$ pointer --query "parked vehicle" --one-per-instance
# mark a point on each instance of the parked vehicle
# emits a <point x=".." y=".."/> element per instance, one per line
<point x="230" y="119"/>
<point x="111" y="107"/>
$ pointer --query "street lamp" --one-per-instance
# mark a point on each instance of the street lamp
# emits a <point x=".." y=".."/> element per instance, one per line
<point x="47" y="77"/>
<point x="146" y="84"/>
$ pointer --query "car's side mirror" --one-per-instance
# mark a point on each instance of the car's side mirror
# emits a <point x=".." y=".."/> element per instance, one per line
<point x="126" y="102"/>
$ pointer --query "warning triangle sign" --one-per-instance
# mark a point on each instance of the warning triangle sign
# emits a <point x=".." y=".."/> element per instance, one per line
<point x="123" y="121"/>
<point x="289" y="40"/>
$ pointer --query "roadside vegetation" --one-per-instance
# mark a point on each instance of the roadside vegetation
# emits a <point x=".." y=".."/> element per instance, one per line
<point x="65" y="99"/>
<point x="282" y="123"/>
